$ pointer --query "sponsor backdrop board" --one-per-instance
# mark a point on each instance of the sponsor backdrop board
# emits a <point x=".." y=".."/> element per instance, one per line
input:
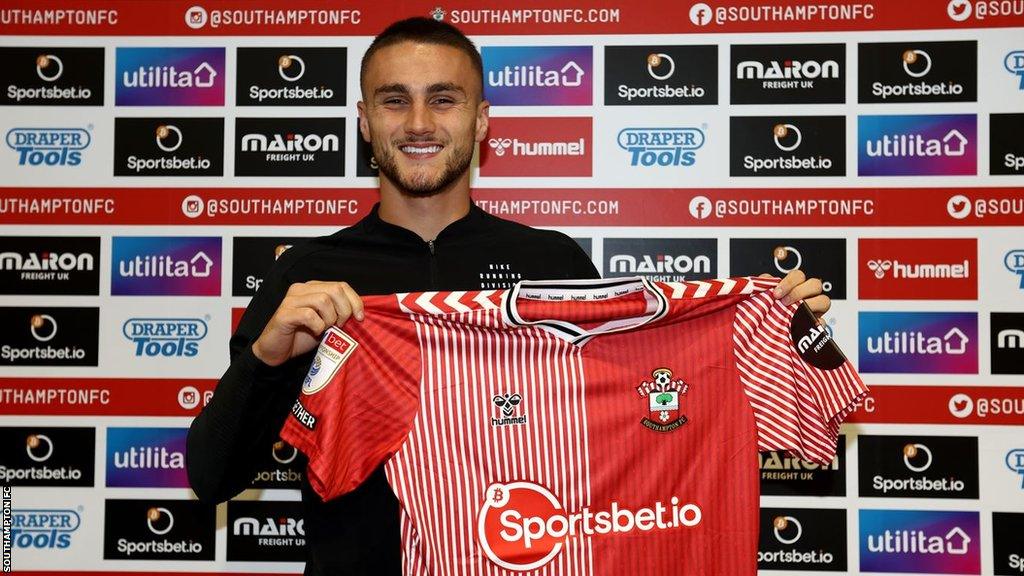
<point x="158" y="157"/>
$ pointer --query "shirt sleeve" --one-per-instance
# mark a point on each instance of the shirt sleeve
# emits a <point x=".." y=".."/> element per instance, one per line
<point x="796" y="379"/>
<point x="357" y="404"/>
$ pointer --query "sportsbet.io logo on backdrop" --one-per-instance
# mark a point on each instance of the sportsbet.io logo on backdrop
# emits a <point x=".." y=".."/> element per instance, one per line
<point x="660" y="75"/>
<point x="787" y="146"/>
<point x="917" y="466"/>
<point x="917" y="72"/>
<point x="158" y="530"/>
<point x="168" y="146"/>
<point x="798" y="539"/>
<point x="1006" y="147"/>
<point x="49" y="336"/>
<point x="823" y="258"/>
<point x="47" y="456"/>
<point x="538" y="75"/>
<point x="290" y="76"/>
<point x="51" y="76"/>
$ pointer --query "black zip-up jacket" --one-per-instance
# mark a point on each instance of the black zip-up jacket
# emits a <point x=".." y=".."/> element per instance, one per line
<point x="358" y="533"/>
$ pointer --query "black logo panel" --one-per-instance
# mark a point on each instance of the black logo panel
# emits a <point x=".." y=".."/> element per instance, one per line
<point x="366" y="164"/>
<point x="158" y="530"/>
<point x="50" y="265"/>
<point x="788" y="74"/>
<point x="895" y="72"/>
<point x="1007" y="342"/>
<point x="265" y="531"/>
<point x="786" y="475"/>
<point x="52" y="76"/>
<point x="1006" y="147"/>
<point x="823" y="258"/>
<point x="290" y="76"/>
<point x="49" y="336"/>
<point x="290" y="147"/>
<point x="253" y="258"/>
<point x="168" y="147"/>
<point x="1007" y="544"/>
<point x="661" y="259"/>
<point x="660" y="75"/>
<point x="799" y="539"/>
<point x="787" y="146"/>
<point x="43" y="456"/>
<point x="917" y="466"/>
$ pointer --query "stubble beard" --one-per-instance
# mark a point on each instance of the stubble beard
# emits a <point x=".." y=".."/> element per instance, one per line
<point x="420" y="187"/>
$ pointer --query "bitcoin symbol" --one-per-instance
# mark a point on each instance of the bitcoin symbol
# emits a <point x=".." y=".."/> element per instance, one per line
<point x="498" y="495"/>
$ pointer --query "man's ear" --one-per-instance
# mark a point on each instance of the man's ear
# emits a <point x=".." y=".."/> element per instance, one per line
<point x="364" y="126"/>
<point x="483" y="111"/>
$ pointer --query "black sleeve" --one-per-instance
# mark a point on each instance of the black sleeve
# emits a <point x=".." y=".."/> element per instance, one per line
<point x="249" y="406"/>
<point x="582" y="266"/>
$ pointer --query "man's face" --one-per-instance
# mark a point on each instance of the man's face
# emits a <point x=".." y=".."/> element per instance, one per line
<point x="423" y="114"/>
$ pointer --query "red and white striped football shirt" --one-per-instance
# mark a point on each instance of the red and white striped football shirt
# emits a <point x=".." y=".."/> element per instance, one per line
<point x="573" y="428"/>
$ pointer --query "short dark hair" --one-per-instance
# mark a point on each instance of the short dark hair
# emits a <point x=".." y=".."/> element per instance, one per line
<point x="424" y="31"/>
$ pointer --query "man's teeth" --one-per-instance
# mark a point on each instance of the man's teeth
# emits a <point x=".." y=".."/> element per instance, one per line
<point x="420" y="149"/>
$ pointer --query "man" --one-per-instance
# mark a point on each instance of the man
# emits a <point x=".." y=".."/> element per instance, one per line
<point x="423" y="112"/>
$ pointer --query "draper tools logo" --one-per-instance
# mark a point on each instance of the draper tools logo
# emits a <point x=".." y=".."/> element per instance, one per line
<point x="802" y="539"/>
<point x="289" y="147"/>
<point x="660" y="75"/>
<point x="1006" y="147"/>
<point x="788" y="73"/>
<point x="1013" y="261"/>
<point x="783" y="474"/>
<point x="290" y="76"/>
<point x="523" y="526"/>
<point x="44" y="456"/>
<point x="919" y="342"/>
<point x="50" y="265"/>
<point x="662" y="260"/>
<point x="266" y="531"/>
<point x="182" y="266"/>
<point x="1014" y="64"/>
<point x="49" y="146"/>
<point x="49" y="336"/>
<point x="1007" y="545"/>
<point x="823" y="258"/>
<point x="917" y="466"/>
<point x="941" y="144"/>
<point x="919" y="541"/>
<point x="918" y="268"/>
<point x="165" y="337"/>
<point x="47" y="529"/>
<point x="146" y="457"/>
<point x="538" y="75"/>
<point x="537" y="147"/>
<point x="158" y="530"/>
<point x="168" y="146"/>
<point x="49" y="76"/>
<point x="787" y="146"/>
<point x="1007" y="342"/>
<point x="661" y="147"/>
<point x="918" y="72"/>
<point x="170" y="77"/>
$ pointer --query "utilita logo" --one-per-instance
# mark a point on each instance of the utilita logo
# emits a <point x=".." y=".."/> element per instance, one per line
<point x="538" y="147"/>
<point x="146" y="457"/>
<point x="538" y="75"/>
<point x="43" y="529"/>
<point x="166" y="337"/>
<point x="918" y="72"/>
<point x="49" y="146"/>
<point x="919" y="342"/>
<point x="53" y="76"/>
<point x="918" y="268"/>
<point x="186" y="265"/>
<point x="168" y="147"/>
<point x="918" y="541"/>
<point x="788" y="73"/>
<point x="917" y="145"/>
<point x="523" y="526"/>
<point x="660" y="75"/>
<point x="664" y="147"/>
<point x="170" y="77"/>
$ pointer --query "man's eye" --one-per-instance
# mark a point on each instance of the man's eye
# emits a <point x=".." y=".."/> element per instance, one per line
<point x="394" y="101"/>
<point x="443" y="100"/>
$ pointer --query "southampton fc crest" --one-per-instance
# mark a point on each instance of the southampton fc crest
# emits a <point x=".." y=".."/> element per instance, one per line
<point x="663" y="395"/>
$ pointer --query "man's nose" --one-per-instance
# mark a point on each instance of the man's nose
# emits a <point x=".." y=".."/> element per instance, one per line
<point x="420" y="119"/>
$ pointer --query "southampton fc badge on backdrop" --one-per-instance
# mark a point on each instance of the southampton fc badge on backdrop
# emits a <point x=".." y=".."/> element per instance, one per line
<point x="663" y="395"/>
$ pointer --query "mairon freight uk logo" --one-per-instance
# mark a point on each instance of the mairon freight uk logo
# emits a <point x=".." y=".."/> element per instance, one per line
<point x="896" y="72"/>
<point x="44" y="529"/>
<point x="158" y="530"/>
<point x="46" y="456"/>
<point x="290" y="147"/>
<point x="166" y="265"/>
<point x="253" y="258"/>
<point x="787" y="146"/>
<point x="917" y="466"/>
<point x="146" y="457"/>
<point x="660" y="75"/>
<point x="265" y="531"/>
<point x="168" y="147"/>
<point x="49" y="336"/>
<point x="916" y="541"/>
<point x="802" y="539"/>
<point x="1006" y="147"/>
<point x="1007" y="545"/>
<point x="51" y="76"/>
<point x="538" y="75"/>
<point x="661" y="259"/>
<point x="1007" y="342"/>
<point x="918" y="342"/>
<point x="788" y="74"/>
<point x="940" y="144"/>
<point x="823" y="258"/>
<point x="918" y="268"/>
<point x="169" y="77"/>
<point x="49" y="146"/>
<point x="50" y="265"/>
<point x="538" y="147"/>
<point x="290" y="76"/>
<point x="783" y="474"/>
<point x="661" y="147"/>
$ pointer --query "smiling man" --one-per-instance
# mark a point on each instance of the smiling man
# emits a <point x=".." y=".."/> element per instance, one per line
<point x="423" y="112"/>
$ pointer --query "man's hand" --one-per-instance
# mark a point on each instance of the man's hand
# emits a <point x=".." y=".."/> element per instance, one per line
<point x="308" y="309"/>
<point x="796" y="286"/>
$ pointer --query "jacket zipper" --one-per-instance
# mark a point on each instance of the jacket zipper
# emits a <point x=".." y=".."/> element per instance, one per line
<point x="433" y="265"/>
